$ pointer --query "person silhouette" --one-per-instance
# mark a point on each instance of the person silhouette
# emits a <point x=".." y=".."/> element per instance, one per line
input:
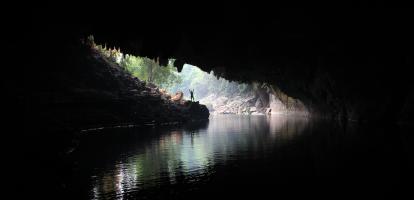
<point x="192" y="94"/>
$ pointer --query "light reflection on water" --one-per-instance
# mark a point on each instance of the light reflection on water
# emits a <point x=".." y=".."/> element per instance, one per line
<point x="188" y="155"/>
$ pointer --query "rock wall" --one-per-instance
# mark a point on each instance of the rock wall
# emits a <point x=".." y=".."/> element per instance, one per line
<point x="262" y="99"/>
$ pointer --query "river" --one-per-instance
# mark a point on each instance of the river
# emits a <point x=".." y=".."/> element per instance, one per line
<point x="241" y="156"/>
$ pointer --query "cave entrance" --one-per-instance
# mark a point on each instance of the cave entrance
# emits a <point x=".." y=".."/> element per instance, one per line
<point x="221" y="96"/>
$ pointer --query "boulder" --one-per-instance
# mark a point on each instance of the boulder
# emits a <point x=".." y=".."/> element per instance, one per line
<point x="268" y="111"/>
<point x="252" y="109"/>
<point x="197" y="110"/>
<point x="177" y="97"/>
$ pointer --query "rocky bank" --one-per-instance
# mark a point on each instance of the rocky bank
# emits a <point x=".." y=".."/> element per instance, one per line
<point x="91" y="91"/>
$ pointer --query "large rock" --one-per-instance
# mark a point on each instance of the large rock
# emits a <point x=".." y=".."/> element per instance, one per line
<point x="197" y="111"/>
<point x="178" y="97"/>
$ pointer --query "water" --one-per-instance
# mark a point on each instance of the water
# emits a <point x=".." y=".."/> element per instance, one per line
<point x="241" y="156"/>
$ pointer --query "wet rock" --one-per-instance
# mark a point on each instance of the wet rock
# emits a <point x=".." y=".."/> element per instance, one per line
<point x="268" y="111"/>
<point x="198" y="111"/>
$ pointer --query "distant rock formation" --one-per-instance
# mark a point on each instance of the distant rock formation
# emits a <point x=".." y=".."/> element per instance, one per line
<point x="264" y="99"/>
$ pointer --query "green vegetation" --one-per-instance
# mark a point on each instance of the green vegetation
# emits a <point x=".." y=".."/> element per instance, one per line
<point x="150" y="71"/>
<point x="205" y="84"/>
<point x="167" y="77"/>
<point x="142" y="67"/>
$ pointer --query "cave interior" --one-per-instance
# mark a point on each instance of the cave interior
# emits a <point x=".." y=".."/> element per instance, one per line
<point x="341" y="63"/>
<point x="348" y="65"/>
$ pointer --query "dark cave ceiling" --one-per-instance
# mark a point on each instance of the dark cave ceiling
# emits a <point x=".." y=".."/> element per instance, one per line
<point x="333" y="58"/>
<point x="234" y="37"/>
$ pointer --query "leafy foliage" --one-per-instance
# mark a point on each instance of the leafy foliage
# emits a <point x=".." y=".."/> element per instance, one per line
<point x="142" y="67"/>
<point x="205" y="84"/>
<point x="167" y="77"/>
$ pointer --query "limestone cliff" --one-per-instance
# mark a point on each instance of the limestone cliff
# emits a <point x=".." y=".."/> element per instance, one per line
<point x="261" y="99"/>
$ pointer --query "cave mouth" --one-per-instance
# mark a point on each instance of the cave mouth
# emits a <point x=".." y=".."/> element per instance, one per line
<point x="221" y="96"/>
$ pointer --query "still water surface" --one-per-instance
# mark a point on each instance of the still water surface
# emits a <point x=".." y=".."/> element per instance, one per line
<point x="237" y="156"/>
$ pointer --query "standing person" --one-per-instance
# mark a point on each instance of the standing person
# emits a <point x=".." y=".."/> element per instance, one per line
<point x="192" y="95"/>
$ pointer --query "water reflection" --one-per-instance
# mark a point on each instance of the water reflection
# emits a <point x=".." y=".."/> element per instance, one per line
<point x="187" y="155"/>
